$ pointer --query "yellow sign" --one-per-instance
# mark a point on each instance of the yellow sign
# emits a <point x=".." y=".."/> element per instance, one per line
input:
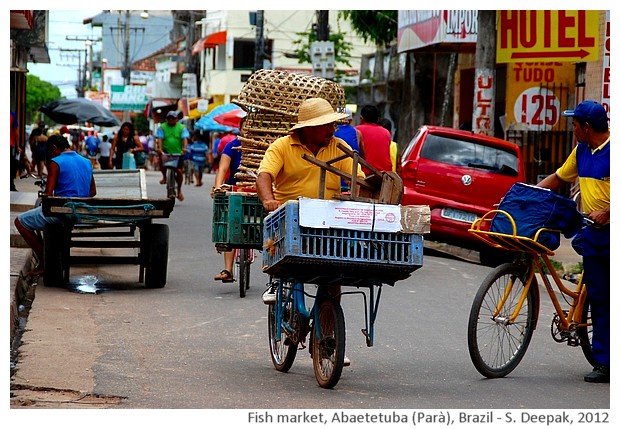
<point x="547" y="35"/>
<point x="536" y="93"/>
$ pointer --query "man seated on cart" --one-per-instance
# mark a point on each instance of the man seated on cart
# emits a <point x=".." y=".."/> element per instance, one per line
<point x="284" y="175"/>
<point x="69" y="175"/>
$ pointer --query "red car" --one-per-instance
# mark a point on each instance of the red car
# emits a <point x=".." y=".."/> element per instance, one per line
<point x="461" y="176"/>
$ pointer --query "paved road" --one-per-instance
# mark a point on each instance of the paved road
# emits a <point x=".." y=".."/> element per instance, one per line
<point x="196" y="345"/>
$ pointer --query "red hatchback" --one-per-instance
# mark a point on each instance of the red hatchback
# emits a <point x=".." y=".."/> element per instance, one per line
<point x="461" y="176"/>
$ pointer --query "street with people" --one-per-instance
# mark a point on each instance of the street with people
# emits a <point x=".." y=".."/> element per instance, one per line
<point x="215" y="221"/>
<point x="196" y="344"/>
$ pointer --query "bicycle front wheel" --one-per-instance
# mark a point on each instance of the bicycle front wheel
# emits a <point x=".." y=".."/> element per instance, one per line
<point x="496" y="342"/>
<point x="283" y="350"/>
<point x="328" y="343"/>
<point x="244" y="271"/>
<point x="171" y="182"/>
<point x="585" y="334"/>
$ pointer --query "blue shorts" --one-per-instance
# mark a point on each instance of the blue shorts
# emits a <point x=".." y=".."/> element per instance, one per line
<point x="35" y="220"/>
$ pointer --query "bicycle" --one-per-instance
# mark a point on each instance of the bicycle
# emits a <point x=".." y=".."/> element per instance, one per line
<point x="243" y="260"/>
<point x="237" y="227"/>
<point x="170" y="162"/>
<point x="504" y="313"/>
<point x="41" y="182"/>
<point x="295" y="255"/>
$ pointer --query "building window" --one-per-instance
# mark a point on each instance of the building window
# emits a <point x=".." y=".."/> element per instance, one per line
<point x="243" y="53"/>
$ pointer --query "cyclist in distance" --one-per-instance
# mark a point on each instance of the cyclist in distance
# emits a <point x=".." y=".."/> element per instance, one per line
<point x="590" y="163"/>
<point x="172" y="137"/>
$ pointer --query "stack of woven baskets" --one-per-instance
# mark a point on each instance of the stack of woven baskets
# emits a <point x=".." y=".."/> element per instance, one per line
<point x="271" y="99"/>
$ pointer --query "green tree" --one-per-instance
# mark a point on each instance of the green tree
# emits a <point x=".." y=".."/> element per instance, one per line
<point x="38" y="93"/>
<point x="378" y="26"/>
<point x="342" y="49"/>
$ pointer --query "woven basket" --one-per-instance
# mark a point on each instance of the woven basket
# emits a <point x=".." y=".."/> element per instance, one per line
<point x="283" y="92"/>
<point x="265" y="121"/>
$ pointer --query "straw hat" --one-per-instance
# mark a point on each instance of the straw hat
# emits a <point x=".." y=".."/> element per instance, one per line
<point x="316" y="111"/>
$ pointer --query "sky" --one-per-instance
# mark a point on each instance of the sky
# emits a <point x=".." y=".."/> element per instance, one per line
<point x="63" y="69"/>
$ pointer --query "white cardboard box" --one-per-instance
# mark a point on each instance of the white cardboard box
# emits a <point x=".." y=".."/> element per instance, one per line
<point x="359" y="216"/>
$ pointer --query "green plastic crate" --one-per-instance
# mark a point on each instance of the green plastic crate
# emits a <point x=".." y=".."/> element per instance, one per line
<point x="237" y="221"/>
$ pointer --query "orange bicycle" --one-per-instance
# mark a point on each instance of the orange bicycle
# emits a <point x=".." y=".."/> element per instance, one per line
<point x="505" y="311"/>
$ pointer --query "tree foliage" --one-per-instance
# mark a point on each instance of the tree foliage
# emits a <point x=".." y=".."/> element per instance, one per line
<point x="38" y="93"/>
<point x="342" y="48"/>
<point x="378" y="26"/>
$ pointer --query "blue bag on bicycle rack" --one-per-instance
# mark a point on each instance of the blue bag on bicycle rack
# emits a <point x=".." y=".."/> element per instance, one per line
<point x="533" y="208"/>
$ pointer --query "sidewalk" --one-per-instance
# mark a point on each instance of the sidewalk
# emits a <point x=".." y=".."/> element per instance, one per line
<point x="20" y="254"/>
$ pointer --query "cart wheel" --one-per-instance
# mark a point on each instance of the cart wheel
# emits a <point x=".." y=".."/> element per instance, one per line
<point x="55" y="255"/>
<point x="157" y="255"/>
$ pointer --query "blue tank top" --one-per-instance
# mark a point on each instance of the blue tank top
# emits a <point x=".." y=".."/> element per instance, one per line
<point x="348" y="134"/>
<point x="75" y="175"/>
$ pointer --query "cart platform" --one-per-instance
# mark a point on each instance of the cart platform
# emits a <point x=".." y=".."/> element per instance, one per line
<point x="120" y="216"/>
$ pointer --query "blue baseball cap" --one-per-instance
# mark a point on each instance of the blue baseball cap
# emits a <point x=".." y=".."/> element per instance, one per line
<point x="588" y="111"/>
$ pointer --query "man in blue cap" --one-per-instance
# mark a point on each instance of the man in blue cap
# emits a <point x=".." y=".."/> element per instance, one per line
<point x="590" y="163"/>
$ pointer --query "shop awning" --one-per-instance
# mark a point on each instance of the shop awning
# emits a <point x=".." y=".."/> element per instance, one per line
<point x="209" y="41"/>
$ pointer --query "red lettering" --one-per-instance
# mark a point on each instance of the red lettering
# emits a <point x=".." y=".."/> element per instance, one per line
<point x="583" y="41"/>
<point x="523" y="30"/>
<point x="509" y="21"/>
<point x="485" y="82"/>
<point x="606" y="74"/>
<point x="564" y="23"/>
<point x="606" y="91"/>
<point x="547" y="28"/>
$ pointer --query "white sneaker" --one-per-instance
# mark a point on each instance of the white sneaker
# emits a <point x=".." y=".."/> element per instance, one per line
<point x="346" y="361"/>
<point x="269" y="297"/>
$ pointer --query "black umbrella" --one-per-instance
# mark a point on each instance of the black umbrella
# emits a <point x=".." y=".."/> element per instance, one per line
<point x="73" y="110"/>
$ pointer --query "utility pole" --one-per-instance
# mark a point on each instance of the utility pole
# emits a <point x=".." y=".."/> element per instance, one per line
<point x="322" y="28"/>
<point x="126" y="61"/>
<point x="89" y="42"/>
<point x="259" y="46"/>
<point x="322" y="52"/>
<point x="81" y="75"/>
<point x="484" y="86"/>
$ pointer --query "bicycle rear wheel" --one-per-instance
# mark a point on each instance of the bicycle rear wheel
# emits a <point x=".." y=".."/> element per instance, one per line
<point x="283" y="350"/>
<point x="244" y="260"/>
<point x="328" y="351"/>
<point x="497" y="345"/>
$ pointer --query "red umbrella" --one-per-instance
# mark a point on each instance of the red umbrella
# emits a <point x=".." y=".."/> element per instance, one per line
<point x="231" y="118"/>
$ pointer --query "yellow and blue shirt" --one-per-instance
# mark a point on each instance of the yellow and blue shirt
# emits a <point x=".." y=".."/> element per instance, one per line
<point x="592" y="167"/>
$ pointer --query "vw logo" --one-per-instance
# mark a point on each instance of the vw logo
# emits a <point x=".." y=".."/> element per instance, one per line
<point x="466" y="180"/>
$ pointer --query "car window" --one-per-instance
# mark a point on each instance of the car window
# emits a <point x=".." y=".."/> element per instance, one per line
<point x="410" y="146"/>
<point x="469" y="154"/>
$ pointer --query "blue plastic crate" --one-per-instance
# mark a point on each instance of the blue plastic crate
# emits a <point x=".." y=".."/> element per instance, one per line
<point x="334" y="255"/>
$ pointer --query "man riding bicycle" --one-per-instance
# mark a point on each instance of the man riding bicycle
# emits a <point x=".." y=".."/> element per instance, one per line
<point x="171" y="137"/>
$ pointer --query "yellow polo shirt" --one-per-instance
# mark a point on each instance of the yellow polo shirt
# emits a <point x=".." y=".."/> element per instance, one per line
<point x="295" y="177"/>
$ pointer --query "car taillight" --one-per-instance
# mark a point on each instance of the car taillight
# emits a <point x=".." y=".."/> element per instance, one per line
<point x="408" y="170"/>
